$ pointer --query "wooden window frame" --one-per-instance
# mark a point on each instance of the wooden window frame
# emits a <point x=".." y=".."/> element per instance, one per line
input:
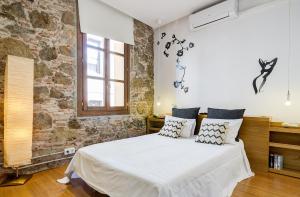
<point x="82" y="107"/>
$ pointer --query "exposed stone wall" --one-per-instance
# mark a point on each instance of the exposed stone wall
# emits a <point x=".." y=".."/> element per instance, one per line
<point x="45" y="30"/>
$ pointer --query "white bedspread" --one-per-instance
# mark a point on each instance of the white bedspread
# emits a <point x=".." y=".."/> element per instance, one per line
<point x="158" y="166"/>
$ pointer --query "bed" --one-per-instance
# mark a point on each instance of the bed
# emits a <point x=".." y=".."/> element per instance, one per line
<point x="158" y="166"/>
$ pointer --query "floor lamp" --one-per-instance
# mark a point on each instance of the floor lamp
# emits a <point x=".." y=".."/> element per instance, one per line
<point x="18" y="117"/>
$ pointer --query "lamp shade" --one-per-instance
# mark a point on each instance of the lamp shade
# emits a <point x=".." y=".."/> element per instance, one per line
<point x="18" y="111"/>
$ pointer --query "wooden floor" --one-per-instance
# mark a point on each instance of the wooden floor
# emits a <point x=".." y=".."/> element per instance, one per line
<point x="44" y="184"/>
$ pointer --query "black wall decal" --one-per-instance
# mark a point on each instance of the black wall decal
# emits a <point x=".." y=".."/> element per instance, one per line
<point x="179" y="53"/>
<point x="266" y="69"/>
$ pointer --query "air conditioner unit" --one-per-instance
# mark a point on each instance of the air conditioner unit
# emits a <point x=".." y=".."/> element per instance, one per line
<point x="224" y="10"/>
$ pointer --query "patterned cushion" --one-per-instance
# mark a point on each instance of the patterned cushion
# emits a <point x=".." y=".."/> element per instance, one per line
<point x="226" y="114"/>
<point x="212" y="133"/>
<point x="172" y="128"/>
<point x="187" y="113"/>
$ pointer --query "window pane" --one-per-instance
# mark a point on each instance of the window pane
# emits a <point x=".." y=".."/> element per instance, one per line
<point x="95" y="62"/>
<point x="95" y="92"/>
<point x="116" y="94"/>
<point x="116" y="67"/>
<point x="95" y="41"/>
<point x="116" y="46"/>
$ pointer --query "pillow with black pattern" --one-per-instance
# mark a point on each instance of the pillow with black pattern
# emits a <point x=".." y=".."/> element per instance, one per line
<point x="172" y="128"/>
<point x="212" y="133"/>
<point x="226" y="114"/>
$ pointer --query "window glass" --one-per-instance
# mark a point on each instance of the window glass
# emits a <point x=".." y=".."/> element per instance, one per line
<point x="116" y="94"/>
<point x="95" y="92"/>
<point x="116" y="46"/>
<point x="95" y="62"/>
<point x="95" y="41"/>
<point x="116" y="67"/>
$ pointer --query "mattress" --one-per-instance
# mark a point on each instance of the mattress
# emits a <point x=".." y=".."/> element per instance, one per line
<point x="158" y="166"/>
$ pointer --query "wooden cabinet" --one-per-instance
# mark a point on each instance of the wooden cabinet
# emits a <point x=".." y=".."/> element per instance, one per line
<point x="154" y="124"/>
<point x="285" y="141"/>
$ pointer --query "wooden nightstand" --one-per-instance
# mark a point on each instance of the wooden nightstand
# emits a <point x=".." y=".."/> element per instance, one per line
<point x="286" y="141"/>
<point x="154" y="124"/>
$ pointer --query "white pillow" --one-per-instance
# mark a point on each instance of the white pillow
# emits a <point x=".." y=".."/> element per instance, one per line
<point x="233" y="130"/>
<point x="188" y="128"/>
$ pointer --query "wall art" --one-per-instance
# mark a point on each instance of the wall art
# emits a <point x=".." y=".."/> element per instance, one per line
<point x="182" y="47"/>
<point x="266" y="69"/>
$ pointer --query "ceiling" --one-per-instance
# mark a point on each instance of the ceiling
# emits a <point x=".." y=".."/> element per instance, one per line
<point x="150" y="11"/>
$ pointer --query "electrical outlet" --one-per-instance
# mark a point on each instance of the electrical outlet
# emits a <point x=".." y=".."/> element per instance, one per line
<point x="69" y="151"/>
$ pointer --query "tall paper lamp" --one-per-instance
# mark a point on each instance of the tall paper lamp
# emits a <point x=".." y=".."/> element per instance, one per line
<point x="18" y="116"/>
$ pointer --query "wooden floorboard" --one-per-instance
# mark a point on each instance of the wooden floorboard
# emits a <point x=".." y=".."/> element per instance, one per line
<point x="44" y="184"/>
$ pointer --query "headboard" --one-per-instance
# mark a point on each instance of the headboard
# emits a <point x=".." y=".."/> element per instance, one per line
<point x="255" y="135"/>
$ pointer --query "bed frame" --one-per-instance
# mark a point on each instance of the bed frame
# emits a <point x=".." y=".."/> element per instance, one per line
<point x="255" y="134"/>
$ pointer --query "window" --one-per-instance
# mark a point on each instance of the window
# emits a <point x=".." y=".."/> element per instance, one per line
<point x="103" y="66"/>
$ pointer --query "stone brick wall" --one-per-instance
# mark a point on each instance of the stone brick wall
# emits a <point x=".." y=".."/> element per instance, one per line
<point x="45" y="30"/>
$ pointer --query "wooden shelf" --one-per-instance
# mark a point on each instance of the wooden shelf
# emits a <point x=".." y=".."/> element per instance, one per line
<point x="154" y="129"/>
<point x="285" y="140"/>
<point x="285" y="129"/>
<point x="286" y="146"/>
<point x="288" y="172"/>
<point x="156" y="120"/>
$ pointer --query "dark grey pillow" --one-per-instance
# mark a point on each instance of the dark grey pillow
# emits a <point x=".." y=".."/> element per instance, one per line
<point x="225" y="113"/>
<point x="187" y="113"/>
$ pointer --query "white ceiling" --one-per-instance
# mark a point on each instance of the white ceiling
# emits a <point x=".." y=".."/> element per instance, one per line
<point x="149" y="11"/>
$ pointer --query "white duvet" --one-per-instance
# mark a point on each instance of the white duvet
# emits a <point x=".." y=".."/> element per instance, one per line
<point x="158" y="166"/>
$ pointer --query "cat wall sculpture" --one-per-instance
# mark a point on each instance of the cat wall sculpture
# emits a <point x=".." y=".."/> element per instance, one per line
<point x="266" y="69"/>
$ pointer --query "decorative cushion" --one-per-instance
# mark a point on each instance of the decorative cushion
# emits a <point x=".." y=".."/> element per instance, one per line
<point x="225" y="113"/>
<point x="187" y="113"/>
<point x="172" y="128"/>
<point x="233" y="128"/>
<point x="188" y="128"/>
<point x="212" y="133"/>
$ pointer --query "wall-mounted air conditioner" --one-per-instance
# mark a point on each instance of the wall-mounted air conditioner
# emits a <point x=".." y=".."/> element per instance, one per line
<point x="224" y="10"/>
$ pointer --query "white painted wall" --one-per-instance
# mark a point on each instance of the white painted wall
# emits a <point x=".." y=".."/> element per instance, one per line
<point x="221" y="67"/>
